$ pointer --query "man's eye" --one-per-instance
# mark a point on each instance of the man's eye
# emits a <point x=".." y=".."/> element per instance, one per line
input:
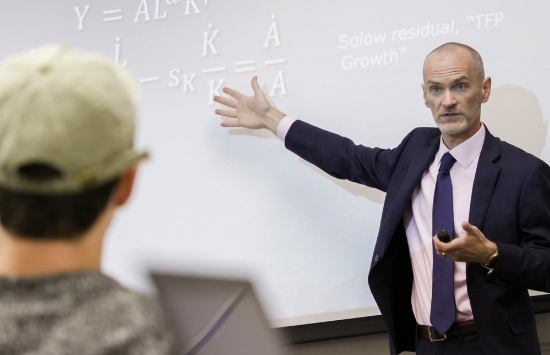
<point x="460" y="86"/>
<point x="435" y="89"/>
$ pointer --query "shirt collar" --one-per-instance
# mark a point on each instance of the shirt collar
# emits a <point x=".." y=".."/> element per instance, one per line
<point x="467" y="151"/>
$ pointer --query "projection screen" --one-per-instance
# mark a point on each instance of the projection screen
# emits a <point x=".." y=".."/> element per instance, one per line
<point x="235" y="202"/>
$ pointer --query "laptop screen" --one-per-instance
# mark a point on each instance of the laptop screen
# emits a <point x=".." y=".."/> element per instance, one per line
<point x="216" y="316"/>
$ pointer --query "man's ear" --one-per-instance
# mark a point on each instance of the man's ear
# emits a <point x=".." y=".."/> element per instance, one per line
<point x="486" y="89"/>
<point x="424" y="93"/>
<point x="125" y="185"/>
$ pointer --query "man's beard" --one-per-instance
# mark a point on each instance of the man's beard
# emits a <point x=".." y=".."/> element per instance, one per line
<point x="460" y="125"/>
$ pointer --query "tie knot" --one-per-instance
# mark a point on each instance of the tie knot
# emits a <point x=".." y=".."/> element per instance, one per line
<point x="447" y="162"/>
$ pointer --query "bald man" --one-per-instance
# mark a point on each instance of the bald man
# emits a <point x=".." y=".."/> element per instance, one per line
<point x="469" y="295"/>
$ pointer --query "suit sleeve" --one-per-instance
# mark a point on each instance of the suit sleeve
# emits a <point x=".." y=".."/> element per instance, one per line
<point x="343" y="159"/>
<point x="527" y="264"/>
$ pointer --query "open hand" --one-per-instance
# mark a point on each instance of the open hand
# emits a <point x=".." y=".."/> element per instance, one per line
<point x="250" y="111"/>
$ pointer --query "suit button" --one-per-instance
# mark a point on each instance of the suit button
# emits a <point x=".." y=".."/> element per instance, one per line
<point x="376" y="258"/>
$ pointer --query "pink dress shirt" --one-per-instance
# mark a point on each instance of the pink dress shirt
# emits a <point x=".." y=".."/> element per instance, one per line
<point x="418" y="222"/>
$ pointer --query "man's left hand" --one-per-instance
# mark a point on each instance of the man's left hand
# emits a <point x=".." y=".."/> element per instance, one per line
<point x="469" y="246"/>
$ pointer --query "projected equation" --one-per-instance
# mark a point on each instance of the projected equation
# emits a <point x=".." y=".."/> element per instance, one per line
<point x="147" y="10"/>
<point x="244" y="65"/>
<point x="154" y="10"/>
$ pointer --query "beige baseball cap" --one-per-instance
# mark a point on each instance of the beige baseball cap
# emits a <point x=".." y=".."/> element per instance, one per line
<point x="69" y="110"/>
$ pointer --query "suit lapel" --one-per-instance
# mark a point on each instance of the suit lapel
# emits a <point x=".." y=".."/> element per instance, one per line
<point x="422" y="160"/>
<point x="484" y="182"/>
<point x="419" y="163"/>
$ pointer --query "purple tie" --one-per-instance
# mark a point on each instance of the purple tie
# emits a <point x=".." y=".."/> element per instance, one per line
<point x="442" y="314"/>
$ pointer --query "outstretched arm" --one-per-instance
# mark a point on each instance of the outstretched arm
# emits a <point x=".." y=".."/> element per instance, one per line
<point x="249" y="111"/>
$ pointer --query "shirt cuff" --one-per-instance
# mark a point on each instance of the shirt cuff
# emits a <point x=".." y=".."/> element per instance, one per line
<point x="284" y="126"/>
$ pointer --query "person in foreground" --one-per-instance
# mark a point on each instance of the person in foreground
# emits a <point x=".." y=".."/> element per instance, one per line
<point x="66" y="165"/>
<point x="467" y="296"/>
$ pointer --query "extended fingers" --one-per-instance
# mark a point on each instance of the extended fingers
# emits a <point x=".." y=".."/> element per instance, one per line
<point x="233" y="93"/>
<point x="255" y="85"/>
<point x="225" y="101"/>
<point x="230" y="124"/>
<point x="258" y="92"/>
<point x="226" y="113"/>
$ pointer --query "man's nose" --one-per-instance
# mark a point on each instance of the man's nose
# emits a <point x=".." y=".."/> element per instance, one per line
<point x="449" y="99"/>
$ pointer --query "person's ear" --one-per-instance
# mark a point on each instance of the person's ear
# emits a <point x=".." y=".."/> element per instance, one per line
<point x="486" y="89"/>
<point x="125" y="185"/>
<point x="425" y="93"/>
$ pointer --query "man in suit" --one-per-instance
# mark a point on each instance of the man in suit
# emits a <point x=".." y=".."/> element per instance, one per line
<point x="499" y="202"/>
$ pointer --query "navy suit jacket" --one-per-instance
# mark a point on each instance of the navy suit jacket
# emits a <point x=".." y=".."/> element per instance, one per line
<point x="510" y="204"/>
